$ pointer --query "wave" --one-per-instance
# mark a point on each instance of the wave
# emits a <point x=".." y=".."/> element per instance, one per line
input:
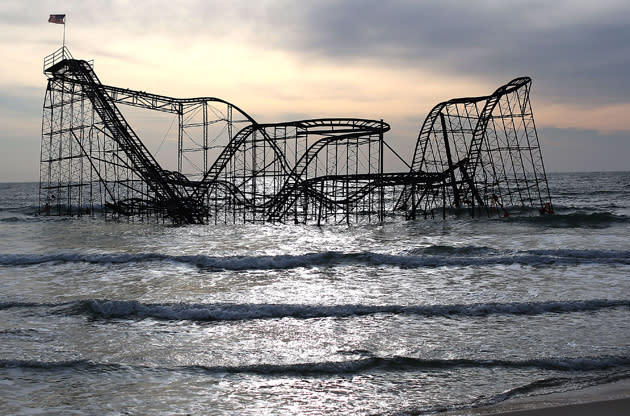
<point x="359" y="365"/>
<point x="431" y="257"/>
<point x="16" y="218"/>
<point x="574" y="219"/>
<point x="20" y="208"/>
<point x="131" y="309"/>
<point x="445" y="250"/>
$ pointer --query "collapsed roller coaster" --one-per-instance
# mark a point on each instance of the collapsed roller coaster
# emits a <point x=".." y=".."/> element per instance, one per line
<point x="473" y="155"/>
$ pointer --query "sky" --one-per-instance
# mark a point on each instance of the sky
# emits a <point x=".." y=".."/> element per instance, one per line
<point x="287" y="60"/>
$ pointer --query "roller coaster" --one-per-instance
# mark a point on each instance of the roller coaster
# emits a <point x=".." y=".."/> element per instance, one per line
<point x="473" y="156"/>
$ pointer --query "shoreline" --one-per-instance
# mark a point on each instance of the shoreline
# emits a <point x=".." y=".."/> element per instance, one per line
<point x="609" y="399"/>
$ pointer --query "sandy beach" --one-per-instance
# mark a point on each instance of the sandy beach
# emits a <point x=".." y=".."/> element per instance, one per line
<point x="605" y="400"/>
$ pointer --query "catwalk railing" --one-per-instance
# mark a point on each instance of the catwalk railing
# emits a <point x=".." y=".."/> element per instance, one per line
<point x="475" y="155"/>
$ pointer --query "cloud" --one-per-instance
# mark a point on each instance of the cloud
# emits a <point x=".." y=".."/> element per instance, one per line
<point x="21" y="102"/>
<point x="574" y="50"/>
<point x="572" y="150"/>
<point x="280" y="59"/>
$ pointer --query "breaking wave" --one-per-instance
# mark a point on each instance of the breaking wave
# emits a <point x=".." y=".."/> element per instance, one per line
<point x="430" y="257"/>
<point x="120" y="309"/>
<point x="359" y="365"/>
<point x="575" y="219"/>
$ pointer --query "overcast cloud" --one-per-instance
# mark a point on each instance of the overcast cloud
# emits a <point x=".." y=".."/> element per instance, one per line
<point x="574" y="50"/>
<point x="392" y="59"/>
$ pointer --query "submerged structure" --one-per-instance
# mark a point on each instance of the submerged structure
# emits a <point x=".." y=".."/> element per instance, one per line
<point x="478" y="155"/>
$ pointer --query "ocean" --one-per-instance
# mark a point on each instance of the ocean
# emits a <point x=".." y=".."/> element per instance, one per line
<point x="409" y="317"/>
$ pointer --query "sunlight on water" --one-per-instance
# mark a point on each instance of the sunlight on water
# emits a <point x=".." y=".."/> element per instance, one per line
<point x="122" y="317"/>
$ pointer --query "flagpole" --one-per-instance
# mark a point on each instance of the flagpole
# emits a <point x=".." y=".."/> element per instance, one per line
<point x="60" y="19"/>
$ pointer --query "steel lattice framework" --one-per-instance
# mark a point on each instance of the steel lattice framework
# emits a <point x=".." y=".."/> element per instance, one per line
<point x="477" y="154"/>
<point x="489" y="147"/>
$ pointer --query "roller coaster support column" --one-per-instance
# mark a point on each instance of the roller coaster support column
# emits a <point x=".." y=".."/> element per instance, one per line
<point x="449" y="158"/>
<point x="381" y="212"/>
<point x="180" y="136"/>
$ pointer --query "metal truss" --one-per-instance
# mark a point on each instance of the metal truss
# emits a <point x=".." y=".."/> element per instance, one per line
<point x="473" y="153"/>
<point x="488" y="150"/>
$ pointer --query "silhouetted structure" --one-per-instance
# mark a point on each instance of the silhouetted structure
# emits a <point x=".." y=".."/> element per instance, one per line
<point x="480" y="154"/>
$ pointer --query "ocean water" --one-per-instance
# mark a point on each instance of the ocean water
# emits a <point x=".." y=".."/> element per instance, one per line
<point x="411" y="317"/>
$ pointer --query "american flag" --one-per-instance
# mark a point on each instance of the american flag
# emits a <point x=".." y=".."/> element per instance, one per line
<point x="57" y="18"/>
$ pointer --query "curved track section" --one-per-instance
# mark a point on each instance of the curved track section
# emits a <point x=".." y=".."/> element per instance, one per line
<point x="489" y="146"/>
<point x="273" y="167"/>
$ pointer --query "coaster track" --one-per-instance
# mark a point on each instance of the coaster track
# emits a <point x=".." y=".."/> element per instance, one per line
<point x="476" y="154"/>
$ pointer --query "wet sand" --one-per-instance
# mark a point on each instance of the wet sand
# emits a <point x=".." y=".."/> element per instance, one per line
<point x="605" y="400"/>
